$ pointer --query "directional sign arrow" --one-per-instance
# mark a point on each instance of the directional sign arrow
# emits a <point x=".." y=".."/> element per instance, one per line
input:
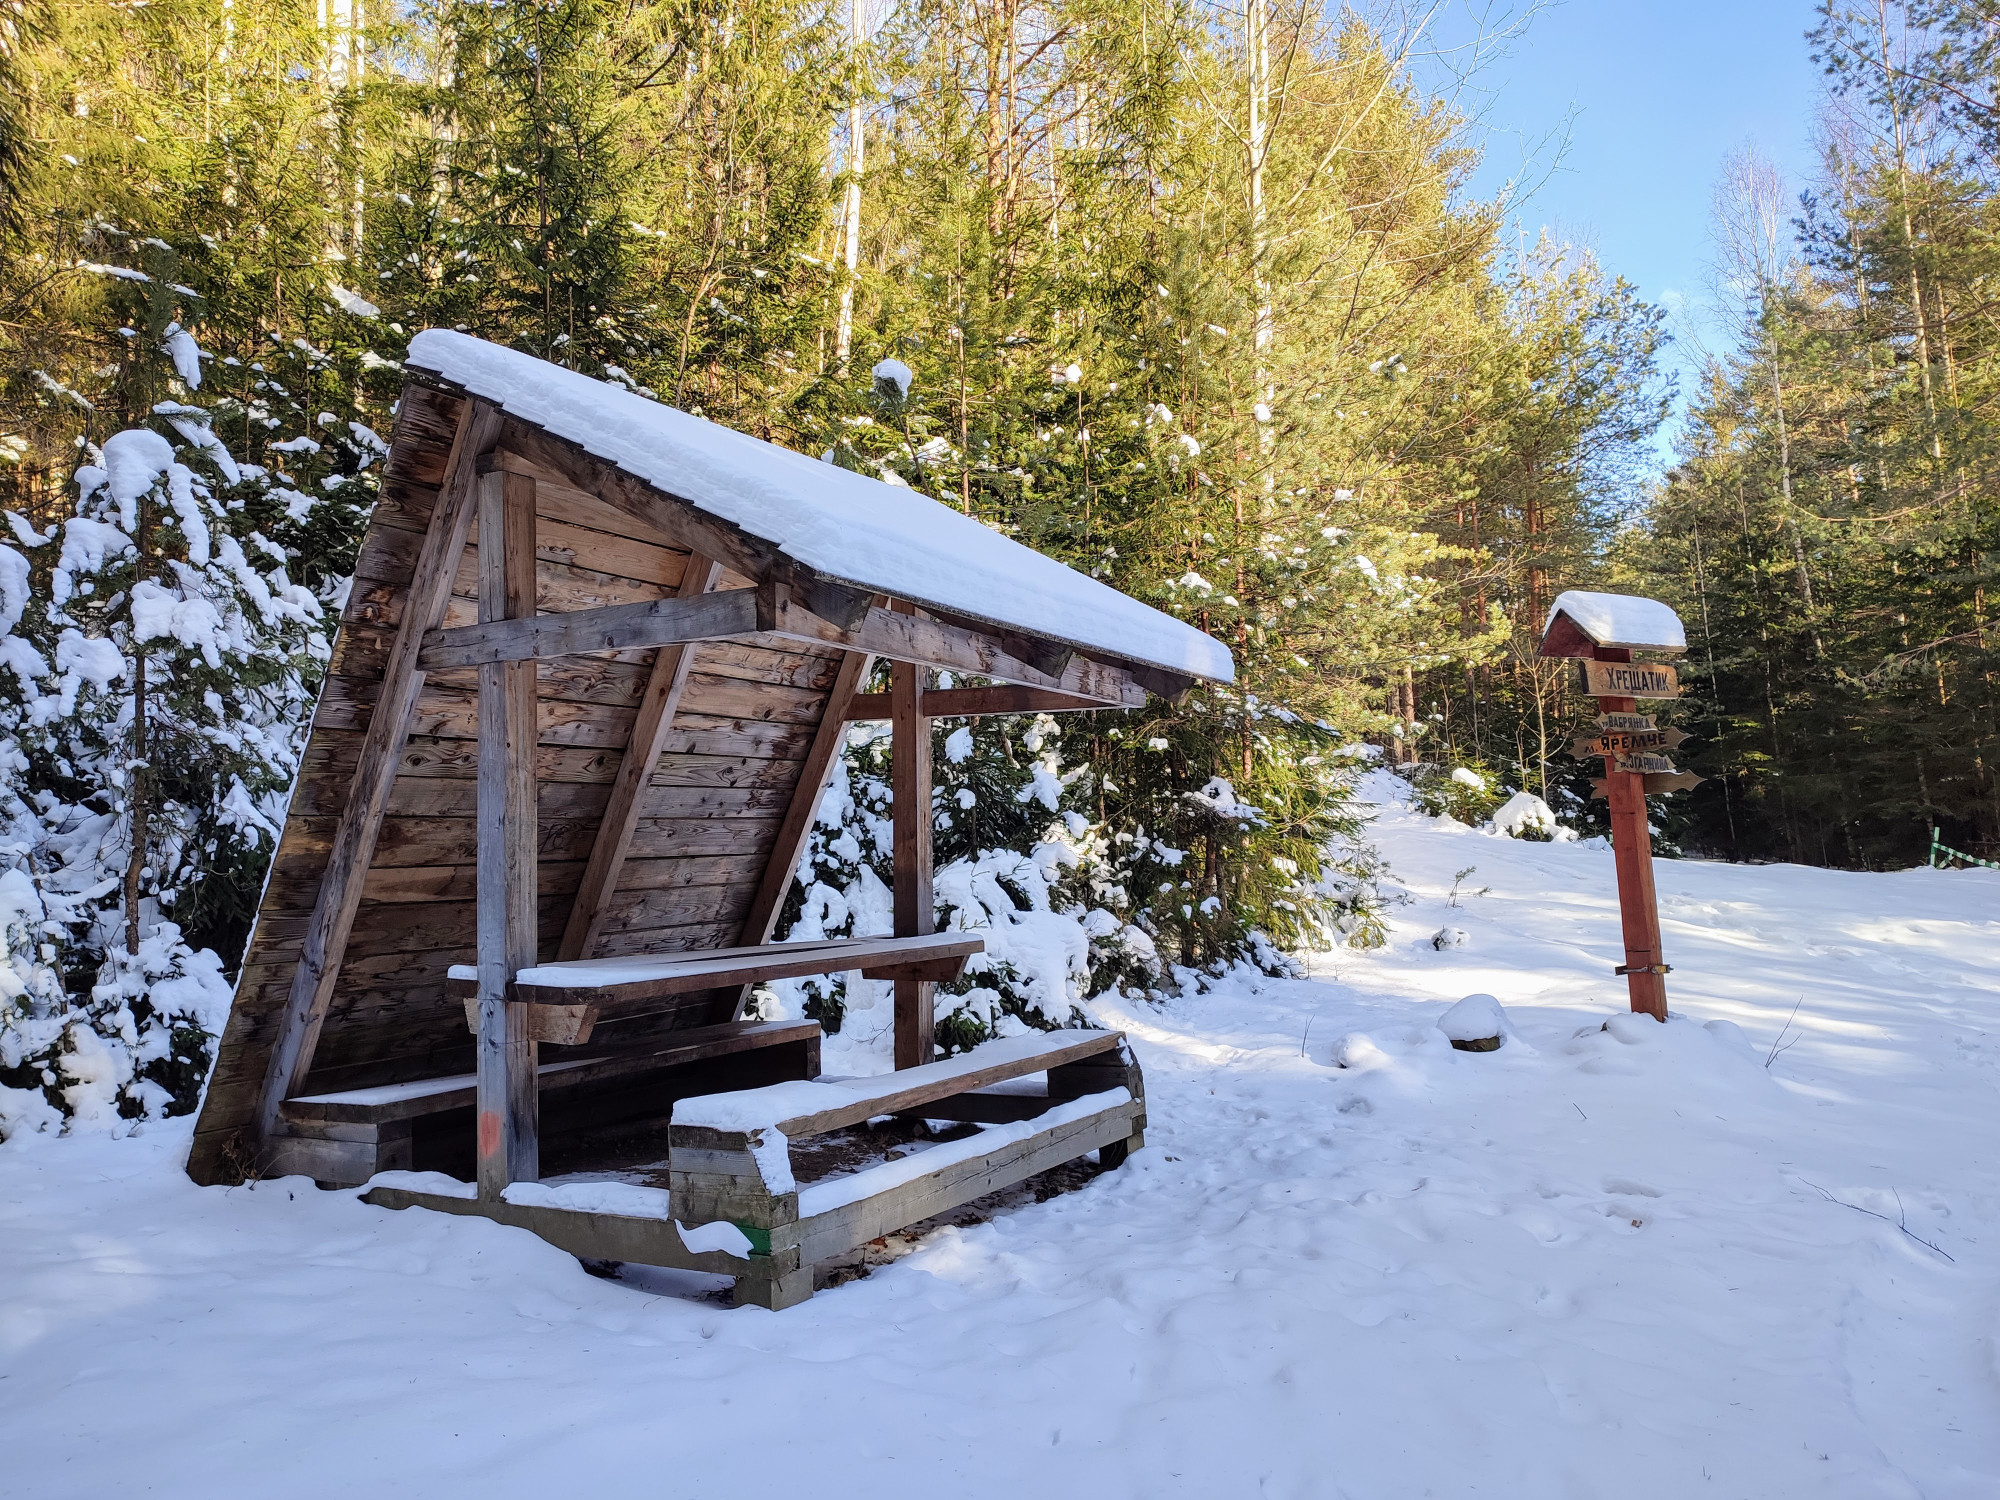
<point x="1650" y="765"/>
<point x="1626" y="742"/>
<point x="1630" y="722"/>
<point x="1681" y="781"/>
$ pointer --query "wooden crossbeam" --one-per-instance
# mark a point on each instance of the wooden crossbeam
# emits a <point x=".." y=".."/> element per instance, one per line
<point x="774" y="610"/>
<point x="617" y="627"/>
<point x="961" y="703"/>
<point x="507" y="860"/>
<point x="339" y="898"/>
<point x="912" y="638"/>
<point x="642" y="753"/>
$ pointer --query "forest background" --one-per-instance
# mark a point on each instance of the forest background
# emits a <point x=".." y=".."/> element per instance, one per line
<point x="1192" y="297"/>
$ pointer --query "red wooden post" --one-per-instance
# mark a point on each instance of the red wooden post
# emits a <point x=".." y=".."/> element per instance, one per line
<point x="1632" y="853"/>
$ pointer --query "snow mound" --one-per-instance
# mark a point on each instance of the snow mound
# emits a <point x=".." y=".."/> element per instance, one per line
<point x="1476" y="1018"/>
<point x="895" y="373"/>
<point x="1524" y="815"/>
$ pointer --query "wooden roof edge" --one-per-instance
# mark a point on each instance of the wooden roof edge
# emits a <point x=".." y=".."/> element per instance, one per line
<point x="758" y="559"/>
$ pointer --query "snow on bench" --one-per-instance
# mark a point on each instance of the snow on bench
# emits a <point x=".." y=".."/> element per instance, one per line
<point x="798" y="1110"/>
<point x="840" y="1192"/>
<point x="428" y="1096"/>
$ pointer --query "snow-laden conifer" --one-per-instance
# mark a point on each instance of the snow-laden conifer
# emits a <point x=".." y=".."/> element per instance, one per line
<point x="156" y="671"/>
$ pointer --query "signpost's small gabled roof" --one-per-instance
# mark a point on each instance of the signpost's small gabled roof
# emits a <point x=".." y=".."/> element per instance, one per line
<point x="844" y="526"/>
<point x="1580" y="620"/>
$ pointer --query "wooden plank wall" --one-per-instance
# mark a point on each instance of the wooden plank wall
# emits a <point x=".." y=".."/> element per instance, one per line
<point x="708" y="818"/>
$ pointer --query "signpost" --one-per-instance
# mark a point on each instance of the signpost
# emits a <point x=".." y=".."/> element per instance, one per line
<point x="1602" y="631"/>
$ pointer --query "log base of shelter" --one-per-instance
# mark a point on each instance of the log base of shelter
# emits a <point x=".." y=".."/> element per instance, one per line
<point x="730" y="1162"/>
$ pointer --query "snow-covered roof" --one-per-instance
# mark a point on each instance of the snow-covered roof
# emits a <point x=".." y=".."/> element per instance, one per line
<point x="1620" y="620"/>
<point x="858" y="530"/>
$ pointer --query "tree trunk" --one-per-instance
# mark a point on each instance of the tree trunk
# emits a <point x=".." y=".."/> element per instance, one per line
<point x="843" y="338"/>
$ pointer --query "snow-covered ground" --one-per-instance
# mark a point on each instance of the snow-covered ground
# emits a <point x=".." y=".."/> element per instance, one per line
<point x="1633" y="1262"/>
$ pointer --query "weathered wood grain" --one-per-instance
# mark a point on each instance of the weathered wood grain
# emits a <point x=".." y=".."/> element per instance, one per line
<point x="647" y="742"/>
<point x="959" y="703"/>
<point x="620" y="627"/>
<point x="825" y="1235"/>
<point x="748" y="555"/>
<point x="803" y="805"/>
<point x="340" y="895"/>
<point x="508" y="1109"/>
<point x="910" y="782"/>
<point x="912" y="638"/>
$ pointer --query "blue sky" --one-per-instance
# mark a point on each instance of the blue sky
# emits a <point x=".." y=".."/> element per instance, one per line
<point x="1651" y="94"/>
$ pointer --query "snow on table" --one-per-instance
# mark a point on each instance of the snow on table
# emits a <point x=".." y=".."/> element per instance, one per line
<point x="883" y="537"/>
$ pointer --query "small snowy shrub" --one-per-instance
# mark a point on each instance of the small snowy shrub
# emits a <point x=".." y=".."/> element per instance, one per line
<point x="1064" y="870"/>
<point x="1008" y="864"/>
<point x="1466" y="794"/>
<point x="1526" y="816"/>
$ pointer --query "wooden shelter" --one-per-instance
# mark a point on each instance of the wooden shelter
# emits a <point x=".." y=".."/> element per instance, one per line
<point x="592" y="677"/>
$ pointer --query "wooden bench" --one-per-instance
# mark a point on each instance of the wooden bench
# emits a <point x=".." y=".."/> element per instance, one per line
<point x="729" y="1157"/>
<point x="343" y="1139"/>
<point x="569" y="999"/>
<point x="729" y="1166"/>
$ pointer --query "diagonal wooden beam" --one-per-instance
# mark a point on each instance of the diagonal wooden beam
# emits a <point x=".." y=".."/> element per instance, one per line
<point x="642" y="754"/>
<point x="354" y="843"/>
<point x="798" y="822"/>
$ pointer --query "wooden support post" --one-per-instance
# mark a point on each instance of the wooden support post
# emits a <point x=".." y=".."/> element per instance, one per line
<point x="339" y="896"/>
<point x="910" y="762"/>
<point x="718" y="1175"/>
<point x="671" y="665"/>
<point x="507" y="1105"/>
<point x="1632" y="854"/>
